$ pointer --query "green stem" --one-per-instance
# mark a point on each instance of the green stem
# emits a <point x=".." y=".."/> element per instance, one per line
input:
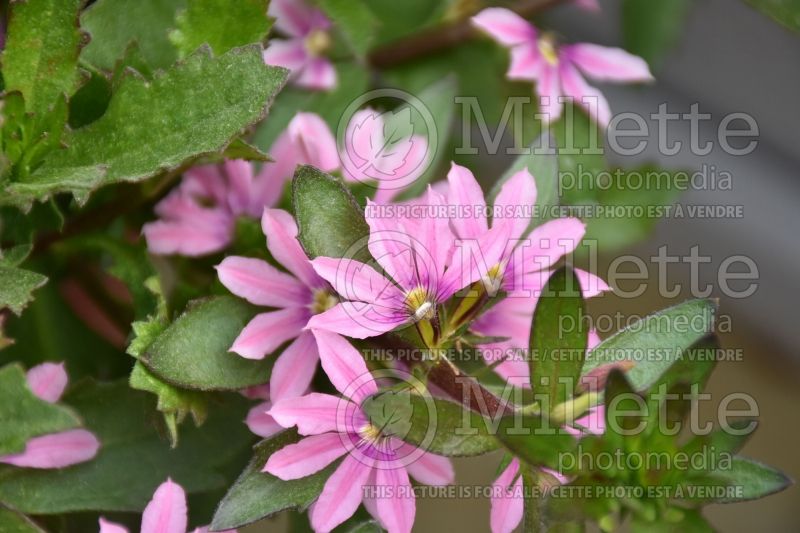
<point x="532" y="521"/>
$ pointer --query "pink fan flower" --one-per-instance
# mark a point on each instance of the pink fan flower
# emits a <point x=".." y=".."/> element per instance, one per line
<point x="557" y="70"/>
<point x="336" y="427"/>
<point x="258" y="419"/>
<point x="414" y="253"/>
<point x="199" y="216"/>
<point x="306" y="29"/>
<point x="295" y="296"/>
<point x="166" y="513"/>
<point x="56" y="450"/>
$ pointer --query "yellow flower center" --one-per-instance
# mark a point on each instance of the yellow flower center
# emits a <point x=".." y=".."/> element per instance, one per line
<point x="317" y="42"/>
<point x="494" y="279"/>
<point x="323" y="300"/>
<point x="419" y="303"/>
<point x="547" y="47"/>
<point x="369" y="433"/>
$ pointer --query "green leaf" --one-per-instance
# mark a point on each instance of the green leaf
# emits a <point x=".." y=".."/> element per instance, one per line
<point x="531" y="439"/>
<point x="23" y="415"/>
<point x="41" y="55"/>
<point x="651" y="27"/>
<point x="17" y="286"/>
<point x="752" y="480"/>
<point x="257" y="494"/>
<point x="193" y="352"/>
<point x="330" y="221"/>
<point x="193" y="109"/>
<point x="221" y="24"/>
<point x="785" y="12"/>
<point x="113" y="27"/>
<point x="655" y="342"/>
<point x="370" y="526"/>
<point x="436" y="425"/>
<point x="557" y="354"/>
<point x="133" y="459"/>
<point x="90" y="101"/>
<point x="13" y="522"/>
<point x="354" y="19"/>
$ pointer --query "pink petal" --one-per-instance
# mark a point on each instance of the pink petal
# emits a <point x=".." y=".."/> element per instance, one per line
<point x="464" y="191"/>
<point x="205" y="181"/>
<point x="296" y="17"/>
<point x="588" y="5"/>
<point x="290" y="53"/>
<point x="269" y="183"/>
<point x="591" y="285"/>
<point x="507" y="509"/>
<point x="166" y="512"/>
<point x="401" y="174"/>
<point x="357" y="320"/>
<point x="608" y="64"/>
<point x="281" y="232"/>
<point x="391" y="247"/>
<point x="267" y="331"/>
<point x="306" y="457"/>
<point x="313" y="413"/>
<point x="505" y="26"/>
<point x="364" y="139"/>
<point x="549" y="88"/>
<point x="260" y="283"/>
<point x="314" y="140"/>
<point x="526" y="62"/>
<point x="111" y="527"/>
<point x="48" y="381"/>
<point x="56" y="450"/>
<point x="550" y="242"/>
<point x="318" y="74"/>
<point x="340" y="496"/>
<point x="344" y="366"/>
<point x="594" y="421"/>
<point x="357" y="281"/>
<point x="586" y="96"/>
<point x="432" y="469"/>
<point x="189" y="237"/>
<point x="260" y="422"/>
<point x="519" y="190"/>
<point x="396" y="512"/>
<point x="240" y="178"/>
<point x="294" y="368"/>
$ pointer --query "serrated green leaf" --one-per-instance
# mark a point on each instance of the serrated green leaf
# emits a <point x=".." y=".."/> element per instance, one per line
<point x="221" y="24"/>
<point x="90" y="101"/>
<point x="17" y="286"/>
<point x="436" y="425"/>
<point x="24" y="416"/>
<point x="785" y="12"/>
<point x="193" y="352"/>
<point x="557" y="354"/>
<point x="133" y="459"/>
<point x="41" y="54"/>
<point x="193" y="109"/>
<point x="14" y="522"/>
<point x="113" y="25"/>
<point x="355" y="20"/>
<point x="257" y="494"/>
<point x="655" y="342"/>
<point x="330" y="221"/>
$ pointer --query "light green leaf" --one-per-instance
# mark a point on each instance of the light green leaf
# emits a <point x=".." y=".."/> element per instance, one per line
<point x="221" y="24"/>
<point x="257" y="494"/>
<point x="17" y="286"/>
<point x="786" y="12"/>
<point x="133" y="459"/>
<point x="655" y="342"/>
<point x="193" y="109"/>
<point x="370" y="526"/>
<point x="23" y="415"/>
<point x="113" y="24"/>
<point x="530" y="438"/>
<point x="752" y="480"/>
<point x="13" y="522"/>
<point x="193" y="352"/>
<point x="651" y="27"/>
<point x="41" y="55"/>
<point x="354" y="19"/>
<point x="330" y="221"/>
<point x="557" y="354"/>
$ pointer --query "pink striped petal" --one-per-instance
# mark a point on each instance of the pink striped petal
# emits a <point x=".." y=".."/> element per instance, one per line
<point x="505" y="26"/>
<point x="526" y="62"/>
<point x="296" y="17"/>
<point x="48" y="381"/>
<point x="281" y="232"/>
<point x="189" y="237"/>
<point x="111" y="527"/>
<point x="341" y="495"/>
<point x="318" y="74"/>
<point x="549" y="89"/>
<point x="591" y="285"/>
<point x="519" y="190"/>
<point x="357" y="320"/>
<point x="313" y="413"/>
<point x="260" y="422"/>
<point x="354" y="280"/>
<point x="465" y="191"/>
<point x="294" y="368"/>
<point x="432" y="469"/>
<point x="57" y="450"/>
<point x="608" y="64"/>
<point x="306" y="457"/>
<point x="240" y="180"/>
<point x="314" y="140"/>
<point x="507" y="503"/>
<point x="166" y="512"/>
<point x="260" y="283"/>
<point x="344" y="366"/>
<point x="396" y="512"/>
<point x="586" y="96"/>
<point x="289" y="53"/>
<point x="269" y="183"/>
<point x="391" y="247"/>
<point x="550" y="242"/>
<point x="594" y="422"/>
<point x="267" y="331"/>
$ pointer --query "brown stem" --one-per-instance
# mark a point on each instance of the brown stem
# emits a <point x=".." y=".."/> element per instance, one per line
<point x="443" y="36"/>
<point x="466" y="390"/>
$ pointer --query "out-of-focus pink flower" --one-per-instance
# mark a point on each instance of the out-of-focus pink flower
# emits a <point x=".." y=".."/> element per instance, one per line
<point x="166" y="513"/>
<point x="295" y="296"/>
<point x="306" y="29"/>
<point x="337" y="426"/>
<point x="557" y="70"/>
<point x="414" y="253"/>
<point x="588" y="5"/>
<point x="56" y="450"/>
